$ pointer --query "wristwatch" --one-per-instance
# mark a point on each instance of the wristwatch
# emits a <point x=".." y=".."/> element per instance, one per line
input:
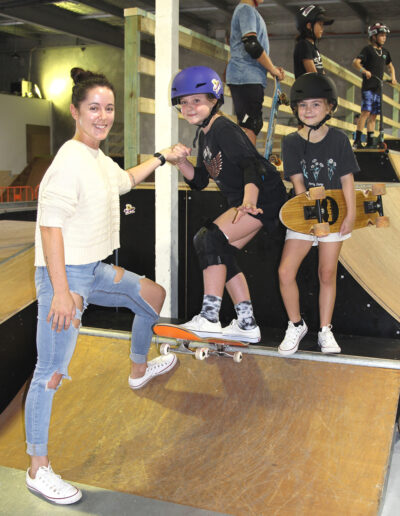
<point x="161" y="157"/>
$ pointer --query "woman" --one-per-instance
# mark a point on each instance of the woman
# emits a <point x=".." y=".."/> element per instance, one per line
<point x="78" y="226"/>
<point x="252" y="187"/>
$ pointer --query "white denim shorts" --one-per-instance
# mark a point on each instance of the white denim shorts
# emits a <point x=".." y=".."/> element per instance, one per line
<point x="332" y="237"/>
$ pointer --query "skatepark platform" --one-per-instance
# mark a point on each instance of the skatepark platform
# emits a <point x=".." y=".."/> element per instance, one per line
<point x="270" y="435"/>
<point x="17" y="306"/>
<point x="378" y="165"/>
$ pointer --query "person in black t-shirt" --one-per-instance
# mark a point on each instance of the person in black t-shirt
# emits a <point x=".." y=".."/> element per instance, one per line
<point x="310" y="24"/>
<point x="252" y="187"/>
<point x="371" y="62"/>
<point x="315" y="155"/>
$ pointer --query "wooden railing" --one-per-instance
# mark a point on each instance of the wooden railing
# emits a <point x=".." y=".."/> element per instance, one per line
<point x="138" y="21"/>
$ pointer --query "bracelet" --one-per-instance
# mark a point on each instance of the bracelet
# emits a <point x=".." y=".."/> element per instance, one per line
<point x="161" y="157"/>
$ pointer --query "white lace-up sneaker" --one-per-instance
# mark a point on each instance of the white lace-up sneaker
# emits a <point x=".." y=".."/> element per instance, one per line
<point x="235" y="332"/>
<point x="52" y="486"/>
<point x="203" y="327"/>
<point x="327" y="341"/>
<point x="155" y="367"/>
<point x="293" y="336"/>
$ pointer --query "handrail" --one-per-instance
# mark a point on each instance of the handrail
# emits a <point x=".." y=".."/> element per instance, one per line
<point x="135" y="64"/>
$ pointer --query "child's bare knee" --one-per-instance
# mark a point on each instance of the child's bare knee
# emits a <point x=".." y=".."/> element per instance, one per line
<point x="54" y="381"/>
<point x="76" y="323"/>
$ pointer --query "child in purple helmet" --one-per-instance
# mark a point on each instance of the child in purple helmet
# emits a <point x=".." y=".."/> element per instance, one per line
<point x="371" y="62"/>
<point x="252" y="187"/>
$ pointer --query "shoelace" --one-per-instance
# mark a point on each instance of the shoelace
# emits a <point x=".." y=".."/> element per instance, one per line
<point x="52" y="480"/>
<point x="328" y="338"/>
<point x="156" y="365"/>
<point x="292" y="332"/>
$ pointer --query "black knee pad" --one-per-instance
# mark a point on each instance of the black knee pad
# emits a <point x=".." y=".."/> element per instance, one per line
<point x="232" y="267"/>
<point x="253" y="123"/>
<point x="212" y="248"/>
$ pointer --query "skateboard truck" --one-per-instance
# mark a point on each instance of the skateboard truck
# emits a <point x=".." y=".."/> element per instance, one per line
<point x="174" y="338"/>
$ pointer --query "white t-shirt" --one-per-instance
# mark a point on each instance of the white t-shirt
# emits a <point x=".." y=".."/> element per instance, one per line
<point x="80" y="194"/>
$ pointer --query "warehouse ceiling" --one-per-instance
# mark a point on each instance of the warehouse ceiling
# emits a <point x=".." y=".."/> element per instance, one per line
<point x="43" y="22"/>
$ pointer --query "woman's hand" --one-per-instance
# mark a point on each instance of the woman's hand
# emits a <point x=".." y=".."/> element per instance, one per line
<point x="62" y="310"/>
<point x="246" y="207"/>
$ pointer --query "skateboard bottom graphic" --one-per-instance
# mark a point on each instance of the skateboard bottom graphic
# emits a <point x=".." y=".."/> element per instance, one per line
<point x="173" y="338"/>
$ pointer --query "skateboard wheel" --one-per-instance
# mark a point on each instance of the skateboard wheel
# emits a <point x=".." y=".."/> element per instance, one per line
<point x="237" y="356"/>
<point x="321" y="229"/>
<point x="318" y="192"/>
<point x="378" y="189"/>
<point x="382" y="222"/>
<point x="165" y="349"/>
<point x="201" y="353"/>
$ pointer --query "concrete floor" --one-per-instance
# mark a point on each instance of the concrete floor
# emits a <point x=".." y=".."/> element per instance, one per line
<point x="16" y="500"/>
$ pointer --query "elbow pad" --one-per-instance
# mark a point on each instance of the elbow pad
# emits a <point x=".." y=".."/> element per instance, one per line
<point x="252" y="46"/>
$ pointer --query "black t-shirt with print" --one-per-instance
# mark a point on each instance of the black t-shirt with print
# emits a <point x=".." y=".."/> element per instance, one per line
<point x="227" y="156"/>
<point x="374" y="60"/>
<point x="304" y="49"/>
<point x="324" y="162"/>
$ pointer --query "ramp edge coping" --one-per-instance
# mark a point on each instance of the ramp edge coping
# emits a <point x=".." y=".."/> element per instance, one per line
<point x="383" y="363"/>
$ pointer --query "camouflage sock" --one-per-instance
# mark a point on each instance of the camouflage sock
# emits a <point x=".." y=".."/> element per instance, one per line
<point x="244" y="311"/>
<point x="211" y="307"/>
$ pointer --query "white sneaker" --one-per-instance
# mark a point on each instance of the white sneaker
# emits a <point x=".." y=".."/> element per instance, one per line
<point x="235" y="332"/>
<point x="52" y="486"/>
<point x="293" y="336"/>
<point x="203" y="327"/>
<point x="155" y="367"/>
<point x="327" y="341"/>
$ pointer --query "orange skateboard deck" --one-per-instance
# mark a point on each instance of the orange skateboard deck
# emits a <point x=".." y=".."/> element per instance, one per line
<point x="320" y="212"/>
<point x="179" y="340"/>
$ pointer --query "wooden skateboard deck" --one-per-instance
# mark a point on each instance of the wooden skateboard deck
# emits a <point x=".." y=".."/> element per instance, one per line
<point x="179" y="340"/>
<point x="320" y="212"/>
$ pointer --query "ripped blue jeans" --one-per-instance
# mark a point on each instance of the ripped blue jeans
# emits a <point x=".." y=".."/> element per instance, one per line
<point x="94" y="282"/>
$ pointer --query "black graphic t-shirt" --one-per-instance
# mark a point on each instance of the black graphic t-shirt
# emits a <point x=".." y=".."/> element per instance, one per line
<point x="227" y="156"/>
<point x="323" y="163"/>
<point x="374" y="60"/>
<point x="304" y="49"/>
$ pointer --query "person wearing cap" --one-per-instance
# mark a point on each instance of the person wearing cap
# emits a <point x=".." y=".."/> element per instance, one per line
<point x="310" y="22"/>
<point x="252" y="187"/>
<point x="246" y="73"/>
<point x="371" y="62"/>
<point x="315" y="155"/>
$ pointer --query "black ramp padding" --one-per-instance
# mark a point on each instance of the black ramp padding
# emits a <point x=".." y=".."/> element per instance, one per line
<point x="378" y="166"/>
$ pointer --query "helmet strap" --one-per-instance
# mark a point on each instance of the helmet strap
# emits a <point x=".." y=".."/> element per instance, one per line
<point x="317" y="126"/>
<point x="313" y="128"/>
<point x="206" y="121"/>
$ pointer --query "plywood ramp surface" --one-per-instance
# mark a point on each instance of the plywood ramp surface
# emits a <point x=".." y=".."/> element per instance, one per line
<point x="268" y="436"/>
<point x="17" y="271"/>
<point x="395" y="161"/>
<point x="15" y="236"/>
<point x="372" y="256"/>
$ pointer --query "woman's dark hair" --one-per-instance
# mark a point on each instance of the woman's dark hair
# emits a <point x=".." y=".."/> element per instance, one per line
<point x="84" y="80"/>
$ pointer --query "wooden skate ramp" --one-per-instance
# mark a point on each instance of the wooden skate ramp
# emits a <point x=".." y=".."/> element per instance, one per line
<point x="372" y="256"/>
<point x="269" y="436"/>
<point x="17" y="272"/>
